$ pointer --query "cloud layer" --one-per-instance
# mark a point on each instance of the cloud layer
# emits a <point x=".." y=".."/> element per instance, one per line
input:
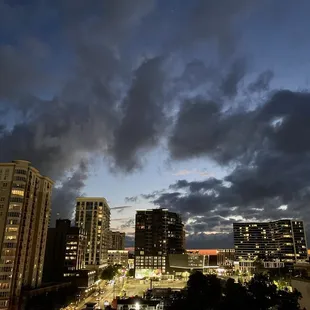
<point x="269" y="153"/>
<point x="115" y="80"/>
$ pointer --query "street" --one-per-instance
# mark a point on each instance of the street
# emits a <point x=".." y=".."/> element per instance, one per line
<point x="109" y="292"/>
<point x="131" y="287"/>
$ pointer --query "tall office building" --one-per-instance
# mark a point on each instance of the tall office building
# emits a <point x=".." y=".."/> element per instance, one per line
<point x="117" y="240"/>
<point x="283" y="240"/>
<point x="93" y="215"/>
<point x="25" y="206"/>
<point x="65" y="251"/>
<point x="158" y="233"/>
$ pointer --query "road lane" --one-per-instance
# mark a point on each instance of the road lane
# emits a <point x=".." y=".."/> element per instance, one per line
<point x="132" y="287"/>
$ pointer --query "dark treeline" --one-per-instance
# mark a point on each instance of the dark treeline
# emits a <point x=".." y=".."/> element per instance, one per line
<point x="211" y="293"/>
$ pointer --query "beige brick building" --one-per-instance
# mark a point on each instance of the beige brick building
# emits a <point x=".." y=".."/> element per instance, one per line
<point x="25" y="207"/>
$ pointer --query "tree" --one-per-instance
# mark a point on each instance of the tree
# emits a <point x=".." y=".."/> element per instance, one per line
<point x="236" y="296"/>
<point x="130" y="273"/>
<point x="109" y="273"/>
<point x="207" y="293"/>
<point x="263" y="291"/>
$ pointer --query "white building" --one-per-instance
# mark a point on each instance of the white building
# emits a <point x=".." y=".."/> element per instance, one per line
<point x="93" y="215"/>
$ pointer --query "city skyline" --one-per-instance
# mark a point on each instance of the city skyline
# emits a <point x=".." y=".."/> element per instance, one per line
<point x="200" y="107"/>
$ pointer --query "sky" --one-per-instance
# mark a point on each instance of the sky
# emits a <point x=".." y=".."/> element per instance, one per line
<point x="201" y="107"/>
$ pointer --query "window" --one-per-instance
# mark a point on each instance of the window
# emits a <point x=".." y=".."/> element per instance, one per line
<point x="9" y="245"/>
<point x="10" y="229"/>
<point x="2" y="198"/>
<point x="10" y="237"/>
<point x="18" y="192"/>
<point x="13" y="214"/>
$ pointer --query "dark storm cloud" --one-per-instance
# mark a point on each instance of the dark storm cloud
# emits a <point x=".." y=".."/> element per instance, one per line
<point x="229" y="85"/>
<point x="128" y="224"/>
<point x="202" y="128"/>
<point x="187" y="205"/>
<point x="131" y="199"/>
<point x="289" y="111"/>
<point x="120" y="209"/>
<point x="54" y="134"/>
<point x="196" y="73"/>
<point x="152" y="195"/>
<point x="73" y="86"/>
<point x="92" y="111"/>
<point x="213" y="20"/>
<point x="144" y="119"/>
<point x="20" y="70"/>
<point x="262" y="82"/>
<point x="208" y="184"/>
<point x="209" y="224"/>
<point x="202" y="241"/>
<point x="270" y="179"/>
<point x="64" y="196"/>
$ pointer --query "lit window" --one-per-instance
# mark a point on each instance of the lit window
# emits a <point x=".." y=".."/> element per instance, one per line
<point x="18" y="192"/>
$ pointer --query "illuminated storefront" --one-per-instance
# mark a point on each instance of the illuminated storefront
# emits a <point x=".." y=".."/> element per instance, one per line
<point x="147" y="273"/>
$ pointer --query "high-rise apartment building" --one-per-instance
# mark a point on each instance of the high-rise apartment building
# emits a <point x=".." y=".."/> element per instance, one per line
<point x="25" y="207"/>
<point x="65" y="251"/>
<point x="283" y="240"/>
<point x="158" y="233"/>
<point x="93" y="215"/>
<point x="117" y="241"/>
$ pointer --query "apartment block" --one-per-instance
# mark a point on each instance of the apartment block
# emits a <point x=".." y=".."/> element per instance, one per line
<point x="158" y="233"/>
<point x="25" y="207"/>
<point x="282" y="240"/>
<point x="93" y="215"/>
<point x="117" y="240"/>
<point x="65" y="251"/>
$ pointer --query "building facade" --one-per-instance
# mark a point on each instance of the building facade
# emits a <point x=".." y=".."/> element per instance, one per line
<point x="93" y="215"/>
<point x="117" y="241"/>
<point x="225" y="257"/>
<point x="283" y="240"/>
<point x="118" y="257"/>
<point x="25" y="207"/>
<point x="158" y="233"/>
<point x="65" y="251"/>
